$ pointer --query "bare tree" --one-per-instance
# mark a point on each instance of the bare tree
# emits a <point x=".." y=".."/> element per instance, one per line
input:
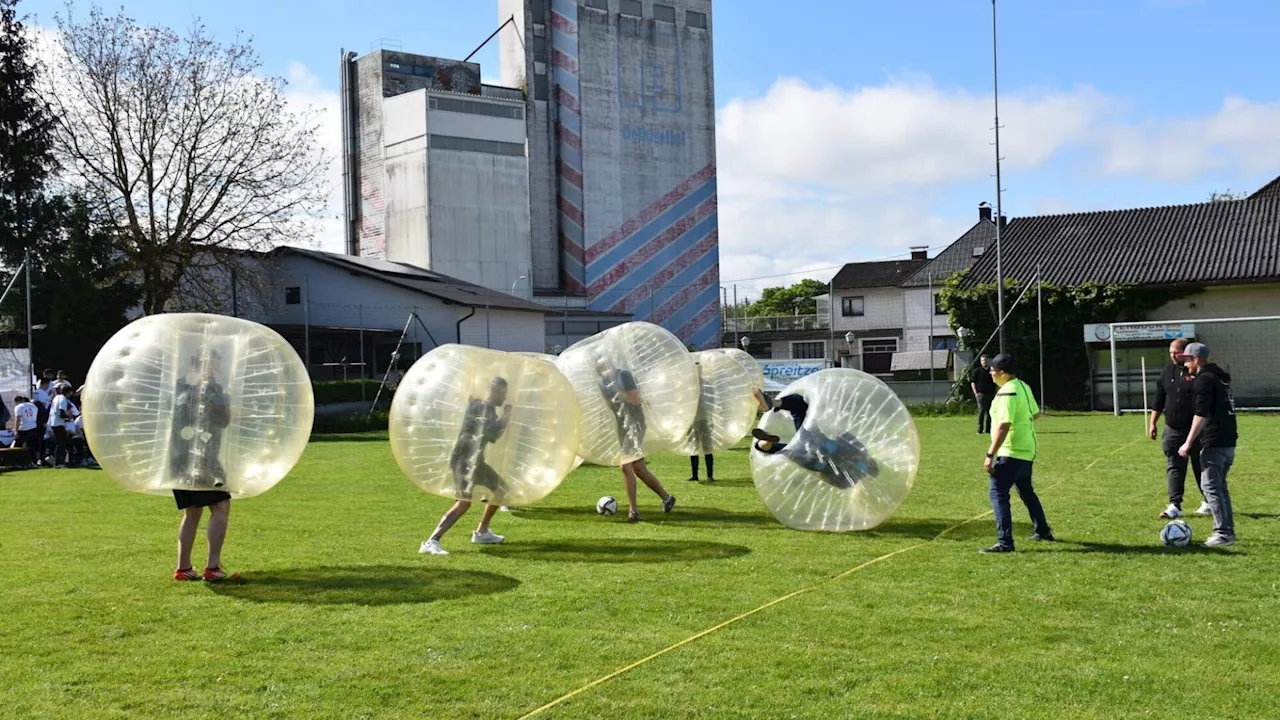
<point x="185" y="144"/>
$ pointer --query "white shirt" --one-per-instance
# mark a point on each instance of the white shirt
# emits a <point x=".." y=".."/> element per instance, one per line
<point x="42" y="397"/>
<point x="26" y="414"/>
<point x="57" y="386"/>
<point x="61" y="404"/>
<point x="77" y="427"/>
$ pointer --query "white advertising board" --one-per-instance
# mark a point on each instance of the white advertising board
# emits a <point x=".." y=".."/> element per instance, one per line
<point x="778" y="374"/>
<point x="1101" y="332"/>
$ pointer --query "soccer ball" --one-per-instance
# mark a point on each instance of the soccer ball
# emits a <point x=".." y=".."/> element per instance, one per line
<point x="1176" y="534"/>
<point x="606" y="505"/>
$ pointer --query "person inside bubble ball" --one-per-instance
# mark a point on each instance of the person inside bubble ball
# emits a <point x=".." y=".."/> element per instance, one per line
<point x="840" y="461"/>
<point x="201" y="412"/>
<point x="622" y="393"/>
<point x="481" y="426"/>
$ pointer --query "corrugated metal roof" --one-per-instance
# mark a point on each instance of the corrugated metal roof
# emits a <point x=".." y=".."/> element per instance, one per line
<point x="875" y="274"/>
<point x="449" y="289"/>
<point x="1215" y="242"/>
<point x="958" y="255"/>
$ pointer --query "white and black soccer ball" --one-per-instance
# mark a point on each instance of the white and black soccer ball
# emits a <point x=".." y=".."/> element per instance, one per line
<point x="1176" y="534"/>
<point x="606" y="505"/>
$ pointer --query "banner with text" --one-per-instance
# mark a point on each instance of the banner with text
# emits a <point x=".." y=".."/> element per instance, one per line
<point x="778" y="374"/>
<point x="1101" y="332"/>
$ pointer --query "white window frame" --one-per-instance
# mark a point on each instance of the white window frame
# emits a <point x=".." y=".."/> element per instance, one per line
<point x="851" y="298"/>
<point x="792" y="349"/>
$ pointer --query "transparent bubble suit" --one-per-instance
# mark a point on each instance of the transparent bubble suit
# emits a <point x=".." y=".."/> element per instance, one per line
<point x="637" y="390"/>
<point x="548" y="358"/>
<point x="475" y="424"/>
<point x="852" y="462"/>
<point x="187" y="401"/>
<point x="748" y="363"/>
<point x="726" y="407"/>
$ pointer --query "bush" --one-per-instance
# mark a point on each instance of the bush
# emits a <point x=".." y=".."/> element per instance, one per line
<point x="943" y="409"/>
<point x="354" y="423"/>
<point x="338" y="391"/>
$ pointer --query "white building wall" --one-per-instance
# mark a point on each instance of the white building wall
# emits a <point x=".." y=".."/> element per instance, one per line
<point x="507" y="330"/>
<point x="884" y="308"/>
<point x="918" y="307"/>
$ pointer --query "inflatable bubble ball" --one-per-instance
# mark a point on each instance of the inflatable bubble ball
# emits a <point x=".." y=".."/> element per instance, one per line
<point x="637" y="389"/>
<point x="748" y="363"/>
<point x="470" y="423"/>
<point x="726" y="404"/>
<point x="851" y="461"/>
<point x="547" y="358"/>
<point x="197" y="402"/>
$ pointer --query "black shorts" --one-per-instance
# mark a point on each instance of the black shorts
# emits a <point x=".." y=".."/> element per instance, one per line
<point x="199" y="498"/>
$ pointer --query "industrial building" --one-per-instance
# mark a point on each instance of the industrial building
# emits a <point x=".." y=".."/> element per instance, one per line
<point x="586" y="181"/>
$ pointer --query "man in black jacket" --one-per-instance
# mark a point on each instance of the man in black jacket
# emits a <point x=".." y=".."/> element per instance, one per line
<point x="1173" y="400"/>
<point x="1214" y="429"/>
<point x="984" y="391"/>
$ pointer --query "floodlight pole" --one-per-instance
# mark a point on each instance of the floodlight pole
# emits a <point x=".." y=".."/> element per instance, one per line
<point x="1040" y="334"/>
<point x="31" y="348"/>
<point x="1115" y="375"/>
<point x="995" y="76"/>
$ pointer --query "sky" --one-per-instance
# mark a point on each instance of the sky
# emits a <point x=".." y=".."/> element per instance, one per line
<point x="850" y="130"/>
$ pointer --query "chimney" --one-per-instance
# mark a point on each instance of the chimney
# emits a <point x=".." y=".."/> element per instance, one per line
<point x="1004" y="222"/>
<point x="984" y="211"/>
<point x="920" y="252"/>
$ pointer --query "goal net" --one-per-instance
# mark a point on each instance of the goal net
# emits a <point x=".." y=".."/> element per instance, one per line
<point x="1244" y="347"/>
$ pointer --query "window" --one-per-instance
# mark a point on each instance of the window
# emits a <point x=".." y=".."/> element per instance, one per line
<point x="631" y="7"/>
<point x="877" y="355"/>
<point x="540" y="86"/>
<point x="809" y="350"/>
<point x="472" y="107"/>
<point x="598" y="4"/>
<point x="852" y="306"/>
<point x="582" y="327"/>
<point x="293" y="295"/>
<point x="937" y="304"/>
<point x="539" y="46"/>
<point x="493" y="147"/>
<point x="695" y="19"/>
<point x="944" y="342"/>
<point x="664" y="13"/>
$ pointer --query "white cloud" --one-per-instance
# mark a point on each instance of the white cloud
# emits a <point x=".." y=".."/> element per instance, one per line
<point x="305" y="94"/>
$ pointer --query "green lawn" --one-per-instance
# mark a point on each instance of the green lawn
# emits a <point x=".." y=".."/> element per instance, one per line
<point x="341" y="618"/>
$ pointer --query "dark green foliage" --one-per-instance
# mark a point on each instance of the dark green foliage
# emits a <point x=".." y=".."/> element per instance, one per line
<point x="1066" y="311"/>
<point x="338" y="391"/>
<point x="360" y="422"/>
<point x="796" y="299"/>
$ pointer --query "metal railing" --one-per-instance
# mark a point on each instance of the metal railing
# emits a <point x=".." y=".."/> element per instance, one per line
<point x="776" y="323"/>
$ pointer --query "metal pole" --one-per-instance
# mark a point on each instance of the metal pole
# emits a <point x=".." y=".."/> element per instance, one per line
<point x="235" y="300"/>
<point x="1145" y="403"/>
<point x="487" y="343"/>
<point x="564" y="329"/>
<point x="362" y="365"/>
<point x="831" y="318"/>
<point x="735" y="315"/>
<point x="933" y="308"/>
<point x="724" y="312"/>
<point x="1115" y="382"/>
<point x="31" y="347"/>
<point x="306" y="322"/>
<point x="1044" y="403"/>
<point x="995" y="76"/>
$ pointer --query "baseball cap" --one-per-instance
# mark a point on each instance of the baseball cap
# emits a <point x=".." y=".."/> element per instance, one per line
<point x="1004" y="362"/>
<point x="1195" y="349"/>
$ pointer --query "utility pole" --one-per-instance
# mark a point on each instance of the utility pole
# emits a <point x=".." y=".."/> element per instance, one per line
<point x="995" y="77"/>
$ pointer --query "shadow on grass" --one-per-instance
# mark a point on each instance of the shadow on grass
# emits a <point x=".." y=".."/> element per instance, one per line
<point x="1194" y="548"/>
<point x="682" y="515"/>
<point x="925" y="529"/>
<point x="350" y="437"/>
<point x="364" y="585"/>
<point x="616" y="551"/>
<point x="1262" y="516"/>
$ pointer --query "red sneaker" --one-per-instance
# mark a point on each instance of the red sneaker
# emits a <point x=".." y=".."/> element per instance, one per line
<point x="218" y="575"/>
<point x="184" y="575"/>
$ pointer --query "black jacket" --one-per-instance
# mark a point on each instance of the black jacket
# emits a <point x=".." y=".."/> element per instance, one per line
<point x="982" y="379"/>
<point x="1214" y="402"/>
<point x="1173" y="397"/>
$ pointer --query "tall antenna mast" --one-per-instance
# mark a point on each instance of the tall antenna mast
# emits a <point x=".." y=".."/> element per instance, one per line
<point x="995" y="77"/>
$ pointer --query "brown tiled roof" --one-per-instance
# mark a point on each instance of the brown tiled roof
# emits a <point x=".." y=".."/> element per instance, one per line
<point x="1236" y="241"/>
<point x="875" y="274"/>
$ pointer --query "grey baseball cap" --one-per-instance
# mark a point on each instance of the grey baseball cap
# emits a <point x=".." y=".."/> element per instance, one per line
<point x="1196" y="349"/>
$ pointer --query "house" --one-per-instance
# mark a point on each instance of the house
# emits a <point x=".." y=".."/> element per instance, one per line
<point x="347" y="315"/>
<point x="869" y="303"/>
<point x="1222" y="259"/>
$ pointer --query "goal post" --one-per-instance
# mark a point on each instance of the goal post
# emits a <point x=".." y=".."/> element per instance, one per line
<point x="1245" y="347"/>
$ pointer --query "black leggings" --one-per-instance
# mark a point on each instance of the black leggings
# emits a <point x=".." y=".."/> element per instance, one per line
<point x="711" y="466"/>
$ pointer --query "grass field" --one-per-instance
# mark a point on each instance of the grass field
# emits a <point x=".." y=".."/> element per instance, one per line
<point x="341" y="618"/>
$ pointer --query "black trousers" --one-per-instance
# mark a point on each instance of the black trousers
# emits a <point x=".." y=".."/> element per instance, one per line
<point x="711" y="466"/>
<point x="984" y="412"/>
<point x="1176" y="465"/>
<point x="61" y="446"/>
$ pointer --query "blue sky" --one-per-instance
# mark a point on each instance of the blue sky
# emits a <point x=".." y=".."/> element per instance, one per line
<point x="852" y="129"/>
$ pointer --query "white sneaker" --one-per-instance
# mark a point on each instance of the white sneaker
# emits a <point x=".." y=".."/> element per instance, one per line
<point x="1204" y="509"/>
<point x="486" y="538"/>
<point x="432" y="547"/>
<point x="1171" y="512"/>
<point x="504" y="508"/>
<point x="1220" y="540"/>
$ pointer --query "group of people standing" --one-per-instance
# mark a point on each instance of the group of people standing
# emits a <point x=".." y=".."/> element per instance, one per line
<point x="1193" y="396"/>
<point x="48" y="423"/>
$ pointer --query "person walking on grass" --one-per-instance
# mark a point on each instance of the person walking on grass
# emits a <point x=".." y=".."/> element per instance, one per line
<point x="1012" y="454"/>
<point x="1213" y="429"/>
<point x="622" y="393"/>
<point x="481" y="426"/>
<point x="1173" y="401"/>
<point x="984" y="391"/>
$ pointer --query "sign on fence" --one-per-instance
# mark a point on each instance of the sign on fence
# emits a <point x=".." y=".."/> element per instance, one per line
<point x="778" y="374"/>
<point x="1101" y="332"/>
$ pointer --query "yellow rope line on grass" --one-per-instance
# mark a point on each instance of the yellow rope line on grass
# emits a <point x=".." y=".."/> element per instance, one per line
<point x="790" y="595"/>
